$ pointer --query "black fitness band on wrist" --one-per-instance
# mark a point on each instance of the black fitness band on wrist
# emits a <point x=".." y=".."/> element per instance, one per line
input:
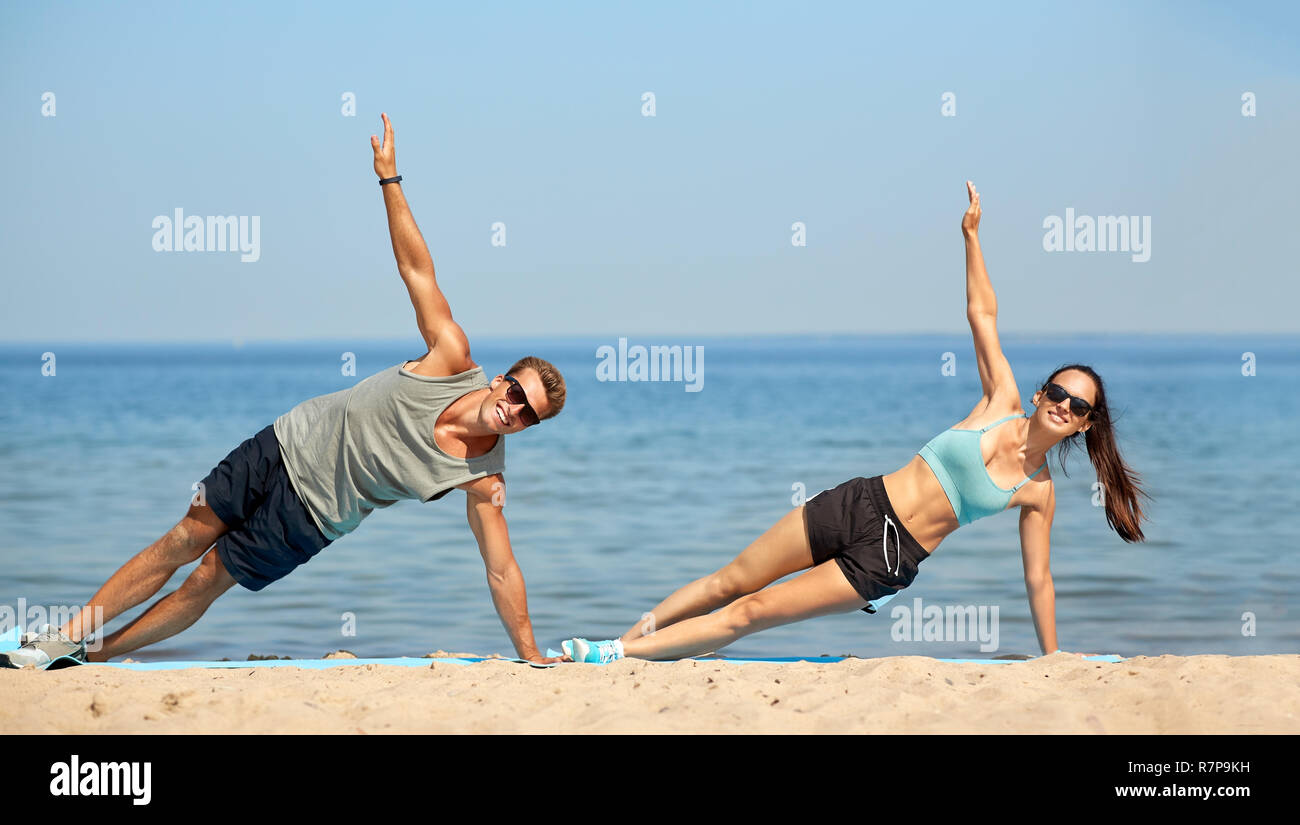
<point x="397" y="179"/>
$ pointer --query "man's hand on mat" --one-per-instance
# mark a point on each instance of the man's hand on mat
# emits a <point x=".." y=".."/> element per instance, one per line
<point x="385" y="156"/>
<point x="970" y="222"/>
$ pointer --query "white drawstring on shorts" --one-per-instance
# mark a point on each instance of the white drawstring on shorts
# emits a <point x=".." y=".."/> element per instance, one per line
<point x="884" y="547"/>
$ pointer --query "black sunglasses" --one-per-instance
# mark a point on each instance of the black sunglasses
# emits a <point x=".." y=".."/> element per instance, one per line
<point x="1056" y="394"/>
<point x="515" y="395"/>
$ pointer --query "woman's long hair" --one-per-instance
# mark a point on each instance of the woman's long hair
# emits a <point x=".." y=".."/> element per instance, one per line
<point x="1120" y="484"/>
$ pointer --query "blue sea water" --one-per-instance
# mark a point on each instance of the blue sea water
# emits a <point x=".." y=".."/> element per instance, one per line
<point x="639" y="487"/>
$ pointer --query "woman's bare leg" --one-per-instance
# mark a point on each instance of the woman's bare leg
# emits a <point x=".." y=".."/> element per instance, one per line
<point x="782" y="550"/>
<point x="819" y="592"/>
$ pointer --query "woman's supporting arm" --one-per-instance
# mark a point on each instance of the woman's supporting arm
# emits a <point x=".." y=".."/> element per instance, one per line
<point x="1035" y="552"/>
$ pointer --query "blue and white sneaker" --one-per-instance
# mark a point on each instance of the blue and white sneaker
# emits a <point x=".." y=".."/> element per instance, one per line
<point x="595" y="653"/>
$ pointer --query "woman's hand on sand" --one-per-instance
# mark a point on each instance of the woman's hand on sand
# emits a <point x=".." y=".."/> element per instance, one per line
<point x="385" y="155"/>
<point x="970" y="222"/>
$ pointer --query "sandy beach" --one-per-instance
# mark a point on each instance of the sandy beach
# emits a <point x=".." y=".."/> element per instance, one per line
<point x="907" y="694"/>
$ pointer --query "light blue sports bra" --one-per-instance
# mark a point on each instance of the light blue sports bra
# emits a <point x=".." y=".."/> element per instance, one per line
<point x="954" y="456"/>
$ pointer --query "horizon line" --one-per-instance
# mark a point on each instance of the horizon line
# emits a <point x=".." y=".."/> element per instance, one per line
<point x="238" y="342"/>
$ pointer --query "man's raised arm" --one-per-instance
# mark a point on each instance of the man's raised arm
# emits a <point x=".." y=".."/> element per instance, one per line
<point x="414" y="264"/>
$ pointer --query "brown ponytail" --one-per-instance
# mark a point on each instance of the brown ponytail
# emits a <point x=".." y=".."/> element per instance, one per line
<point x="1121" y="488"/>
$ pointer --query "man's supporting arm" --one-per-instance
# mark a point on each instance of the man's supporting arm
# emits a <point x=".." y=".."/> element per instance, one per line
<point x="483" y="502"/>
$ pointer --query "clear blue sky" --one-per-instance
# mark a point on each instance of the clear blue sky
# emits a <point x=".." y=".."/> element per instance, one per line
<point x="619" y="224"/>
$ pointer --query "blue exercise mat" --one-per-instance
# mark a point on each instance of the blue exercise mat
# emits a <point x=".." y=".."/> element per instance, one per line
<point x="9" y="641"/>
<point x="317" y="664"/>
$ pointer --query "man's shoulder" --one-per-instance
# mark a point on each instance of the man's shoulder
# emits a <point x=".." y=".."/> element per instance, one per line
<point x="448" y="357"/>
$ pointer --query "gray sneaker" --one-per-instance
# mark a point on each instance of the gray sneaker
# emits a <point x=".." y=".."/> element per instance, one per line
<point x="45" y="648"/>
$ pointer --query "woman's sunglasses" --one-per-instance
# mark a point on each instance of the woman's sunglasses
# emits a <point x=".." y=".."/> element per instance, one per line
<point x="515" y="395"/>
<point x="1056" y="394"/>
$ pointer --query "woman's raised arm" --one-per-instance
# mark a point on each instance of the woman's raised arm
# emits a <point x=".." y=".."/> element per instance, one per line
<point x="996" y="377"/>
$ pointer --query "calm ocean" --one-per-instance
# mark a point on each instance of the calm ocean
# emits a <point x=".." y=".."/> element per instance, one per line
<point x="638" y="487"/>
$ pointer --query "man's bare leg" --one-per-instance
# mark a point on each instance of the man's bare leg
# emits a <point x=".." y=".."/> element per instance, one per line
<point x="146" y="572"/>
<point x="170" y="614"/>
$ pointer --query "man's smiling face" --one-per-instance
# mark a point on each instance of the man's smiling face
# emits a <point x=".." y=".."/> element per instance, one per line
<point x="506" y="409"/>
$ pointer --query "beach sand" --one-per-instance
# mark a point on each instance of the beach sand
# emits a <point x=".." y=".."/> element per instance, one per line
<point x="1060" y="693"/>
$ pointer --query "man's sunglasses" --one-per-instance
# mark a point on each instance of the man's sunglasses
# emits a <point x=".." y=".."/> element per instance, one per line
<point x="515" y="395"/>
<point x="1056" y="394"/>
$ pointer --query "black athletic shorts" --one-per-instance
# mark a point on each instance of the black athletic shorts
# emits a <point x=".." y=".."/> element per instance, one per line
<point x="271" y="532"/>
<point x="855" y="525"/>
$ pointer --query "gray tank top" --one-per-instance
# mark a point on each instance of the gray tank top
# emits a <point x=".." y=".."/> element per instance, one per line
<point x="354" y="451"/>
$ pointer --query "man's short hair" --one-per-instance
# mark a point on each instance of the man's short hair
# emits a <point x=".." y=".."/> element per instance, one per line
<point x="551" y="380"/>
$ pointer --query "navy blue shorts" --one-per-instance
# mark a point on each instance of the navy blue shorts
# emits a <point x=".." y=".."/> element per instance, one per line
<point x="271" y="532"/>
<point x="856" y="525"/>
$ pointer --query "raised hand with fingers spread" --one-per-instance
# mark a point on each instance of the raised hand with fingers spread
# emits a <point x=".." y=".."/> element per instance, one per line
<point x="385" y="156"/>
<point x="970" y="222"/>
